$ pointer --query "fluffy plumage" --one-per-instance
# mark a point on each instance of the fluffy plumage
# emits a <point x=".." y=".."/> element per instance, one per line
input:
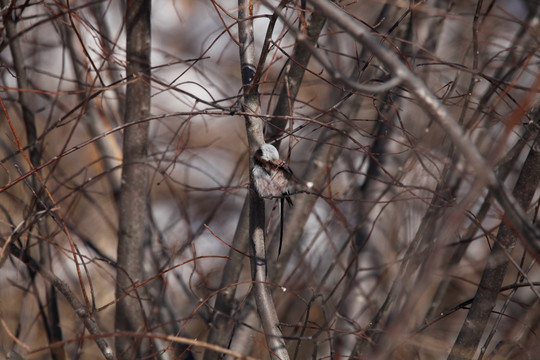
<point x="271" y="175"/>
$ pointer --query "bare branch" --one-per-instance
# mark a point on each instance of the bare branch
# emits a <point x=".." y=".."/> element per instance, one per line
<point x="254" y="128"/>
<point x="498" y="260"/>
<point x="134" y="191"/>
<point x="80" y="309"/>
<point x="432" y="105"/>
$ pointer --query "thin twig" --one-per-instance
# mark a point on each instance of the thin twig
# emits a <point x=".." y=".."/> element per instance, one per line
<point x="431" y="104"/>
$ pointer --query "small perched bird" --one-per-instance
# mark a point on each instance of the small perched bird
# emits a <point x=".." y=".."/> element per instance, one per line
<point x="271" y="177"/>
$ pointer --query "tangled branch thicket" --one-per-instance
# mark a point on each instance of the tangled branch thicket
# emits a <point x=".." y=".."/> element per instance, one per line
<point x="128" y="228"/>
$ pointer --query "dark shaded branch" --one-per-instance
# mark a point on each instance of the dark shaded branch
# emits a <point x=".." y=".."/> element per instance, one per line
<point x="51" y="317"/>
<point x="108" y="147"/>
<point x="503" y="170"/>
<point x="296" y="68"/>
<point x="221" y="330"/>
<point x="79" y="308"/>
<point x="134" y="187"/>
<point x="493" y="275"/>
<point x="432" y="105"/>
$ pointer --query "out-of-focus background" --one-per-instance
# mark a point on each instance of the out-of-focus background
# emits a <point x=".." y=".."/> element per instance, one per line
<point x="385" y="256"/>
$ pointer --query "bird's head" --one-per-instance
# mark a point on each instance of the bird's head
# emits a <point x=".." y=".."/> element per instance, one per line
<point x="268" y="152"/>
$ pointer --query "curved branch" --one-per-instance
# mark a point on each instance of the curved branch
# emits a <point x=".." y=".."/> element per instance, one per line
<point x="492" y="278"/>
<point x="297" y="65"/>
<point x="349" y="85"/>
<point x="79" y="308"/>
<point x="431" y="104"/>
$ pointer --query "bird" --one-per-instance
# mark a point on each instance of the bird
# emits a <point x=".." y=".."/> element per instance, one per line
<point x="271" y="176"/>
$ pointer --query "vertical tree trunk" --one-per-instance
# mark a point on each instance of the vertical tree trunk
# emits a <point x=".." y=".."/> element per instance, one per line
<point x="254" y="129"/>
<point x="133" y="193"/>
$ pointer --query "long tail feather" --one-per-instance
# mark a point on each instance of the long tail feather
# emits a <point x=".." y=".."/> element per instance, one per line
<point x="281" y="226"/>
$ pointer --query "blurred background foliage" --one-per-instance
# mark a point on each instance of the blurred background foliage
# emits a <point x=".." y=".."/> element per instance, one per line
<point x="384" y="254"/>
